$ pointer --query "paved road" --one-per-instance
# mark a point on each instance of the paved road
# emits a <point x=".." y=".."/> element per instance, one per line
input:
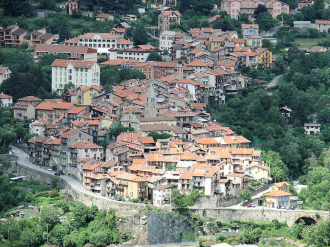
<point x="23" y="159"/>
<point x="274" y="81"/>
<point x="237" y="206"/>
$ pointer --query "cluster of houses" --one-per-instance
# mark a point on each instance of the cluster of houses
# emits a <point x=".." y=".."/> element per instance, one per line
<point x="75" y="133"/>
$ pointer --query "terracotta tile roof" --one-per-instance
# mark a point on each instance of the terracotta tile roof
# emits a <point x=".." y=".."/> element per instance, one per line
<point x="3" y="69"/>
<point x="199" y="173"/>
<point x="146" y="140"/>
<point x="22" y="106"/>
<point x="63" y="105"/>
<point x="46" y="106"/>
<point x="119" y="30"/>
<point x="278" y="193"/>
<point x="90" y="166"/>
<point x="29" y="99"/>
<point x="146" y="47"/>
<point x="244" y="26"/>
<point x="84" y="159"/>
<point x="69" y="133"/>
<point x="85" y="145"/>
<point x="77" y="110"/>
<point x="198" y="106"/>
<point x="102" y="16"/>
<point x="187" y="175"/>
<point x="114" y="62"/>
<point x="85" y="88"/>
<point x="223" y="180"/>
<point x="5" y="96"/>
<point x="125" y="41"/>
<point x="322" y="22"/>
<point x="197" y="63"/>
<point x="200" y="167"/>
<point x="280" y="184"/>
<point x="64" y="49"/>
<point x="253" y="36"/>
<point x="76" y="63"/>
<point x="168" y="13"/>
<point x="206" y="141"/>
<point x="213" y="128"/>
<point x="156" y="127"/>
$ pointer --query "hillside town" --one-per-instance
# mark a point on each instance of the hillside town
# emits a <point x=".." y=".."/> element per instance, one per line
<point x="145" y="137"/>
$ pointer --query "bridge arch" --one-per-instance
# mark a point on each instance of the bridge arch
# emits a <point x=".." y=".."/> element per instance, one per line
<point x="308" y="220"/>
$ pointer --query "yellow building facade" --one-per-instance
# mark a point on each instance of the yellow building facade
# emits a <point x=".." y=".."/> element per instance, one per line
<point x="85" y="94"/>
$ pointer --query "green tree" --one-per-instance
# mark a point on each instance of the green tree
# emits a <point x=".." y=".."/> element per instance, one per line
<point x="266" y="43"/>
<point x="280" y="65"/>
<point x="140" y="36"/>
<point x="155" y="135"/>
<point x="64" y="31"/>
<point x="16" y="7"/>
<point x="48" y="215"/>
<point x="259" y="10"/>
<point x="154" y="56"/>
<point x="245" y="194"/>
<point x="266" y="21"/>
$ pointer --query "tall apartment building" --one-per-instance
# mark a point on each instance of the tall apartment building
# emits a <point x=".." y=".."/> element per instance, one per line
<point x="235" y="7"/>
<point x="100" y="41"/>
<point x="12" y="35"/>
<point x="166" y="18"/>
<point x="80" y="73"/>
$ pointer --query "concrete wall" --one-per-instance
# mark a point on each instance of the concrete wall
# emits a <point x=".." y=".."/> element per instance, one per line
<point x="256" y="214"/>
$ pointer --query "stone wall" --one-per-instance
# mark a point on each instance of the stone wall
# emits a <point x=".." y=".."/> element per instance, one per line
<point x="8" y="157"/>
<point x="77" y="195"/>
<point x="259" y="214"/>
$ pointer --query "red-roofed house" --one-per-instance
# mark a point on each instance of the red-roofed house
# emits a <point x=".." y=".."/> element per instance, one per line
<point x="85" y="94"/>
<point x="103" y="17"/>
<point x="4" y="73"/>
<point x="6" y="100"/>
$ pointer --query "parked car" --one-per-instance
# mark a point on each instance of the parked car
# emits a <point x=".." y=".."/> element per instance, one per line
<point x="49" y="169"/>
<point x="252" y="205"/>
<point x="61" y="173"/>
<point x="248" y="205"/>
<point x="57" y="174"/>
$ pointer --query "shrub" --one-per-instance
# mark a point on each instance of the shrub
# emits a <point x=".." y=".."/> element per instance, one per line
<point x="135" y="200"/>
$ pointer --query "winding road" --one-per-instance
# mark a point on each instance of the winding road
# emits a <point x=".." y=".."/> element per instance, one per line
<point x="274" y="81"/>
<point x="23" y="159"/>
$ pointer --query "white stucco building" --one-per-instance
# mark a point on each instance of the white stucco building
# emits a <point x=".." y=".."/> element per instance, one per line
<point x="6" y="100"/>
<point x="166" y="39"/>
<point x="100" y="41"/>
<point x="4" y="73"/>
<point x="80" y="73"/>
<point x="135" y="53"/>
<point x="38" y="127"/>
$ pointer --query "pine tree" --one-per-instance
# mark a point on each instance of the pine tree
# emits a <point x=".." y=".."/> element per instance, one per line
<point x="64" y="31"/>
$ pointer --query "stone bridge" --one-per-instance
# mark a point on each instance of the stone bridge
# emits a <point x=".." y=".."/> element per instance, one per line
<point x="266" y="214"/>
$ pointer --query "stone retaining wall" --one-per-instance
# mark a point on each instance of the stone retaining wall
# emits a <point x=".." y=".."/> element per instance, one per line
<point x="79" y="196"/>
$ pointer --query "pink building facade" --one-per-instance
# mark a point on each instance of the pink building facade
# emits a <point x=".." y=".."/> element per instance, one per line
<point x="235" y="7"/>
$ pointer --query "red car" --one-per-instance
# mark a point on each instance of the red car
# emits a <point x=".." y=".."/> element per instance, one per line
<point x="248" y="205"/>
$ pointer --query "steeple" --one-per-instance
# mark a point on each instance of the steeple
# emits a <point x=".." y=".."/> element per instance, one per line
<point x="150" y="102"/>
